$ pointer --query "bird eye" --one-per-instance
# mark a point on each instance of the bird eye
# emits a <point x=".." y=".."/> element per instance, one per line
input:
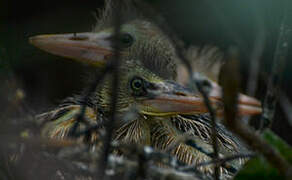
<point x="126" y="40"/>
<point x="137" y="86"/>
<point x="136" y="83"/>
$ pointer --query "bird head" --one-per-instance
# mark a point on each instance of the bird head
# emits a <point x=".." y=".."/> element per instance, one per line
<point x="148" y="66"/>
<point x="137" y="37"/>
<point x="152" y="95"/>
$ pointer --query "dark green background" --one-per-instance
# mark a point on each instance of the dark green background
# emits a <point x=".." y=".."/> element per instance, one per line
<point x="47" y="79"/>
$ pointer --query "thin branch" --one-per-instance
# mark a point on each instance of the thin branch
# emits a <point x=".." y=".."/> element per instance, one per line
<point x="214" y="133"/>
<point x="220" y="161"/>
<point x="90" y="129"/>
<point x="151" y="155"/>
<point x="99" y="77"/>
<point x="123" y="165"/>
<point x="193" y="80"/>
<point x="278" y="66"/>
<point x="115" y="84"/>
<point x="201" y="89"/>
<point x="230" y="89"/>
<point x="193" y="144"/>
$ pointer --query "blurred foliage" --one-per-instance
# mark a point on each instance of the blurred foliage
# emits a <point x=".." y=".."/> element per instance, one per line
<point x="279" y="144"/>
<point x="259" y="168"/>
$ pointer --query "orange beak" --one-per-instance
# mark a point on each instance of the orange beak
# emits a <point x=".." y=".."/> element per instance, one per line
<point x="168" y="98"/>
<point x="89" y="47"/>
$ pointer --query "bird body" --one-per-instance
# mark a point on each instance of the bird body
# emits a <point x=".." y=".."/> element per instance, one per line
<point x="152" y="109"/>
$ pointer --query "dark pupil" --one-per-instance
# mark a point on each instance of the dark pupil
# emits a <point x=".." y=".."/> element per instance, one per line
<point x="137" y="84"/>
<point x="127" y="40"/>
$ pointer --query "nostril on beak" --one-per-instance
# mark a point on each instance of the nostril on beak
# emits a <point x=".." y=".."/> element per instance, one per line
<point x="180" y="94"/>
<point x="79" y="37"/>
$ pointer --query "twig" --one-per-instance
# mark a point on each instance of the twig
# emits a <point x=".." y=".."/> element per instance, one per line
<point x="193" y="144"/>
<point x="90" y="129"/>
<point x="220" y="161"/>
<point x="124" y="165"/>
<point x="179" y="51"/>
<point x="151" y="155"/>
<point x="278" y="66"/>
<point x="211" y="155"/>
<point x="214" y="133"/>
<point x="230" y="89"/>
<point x="115" y="84"/>
<point x="201" y="89"/>
<point x="87" y="95"/>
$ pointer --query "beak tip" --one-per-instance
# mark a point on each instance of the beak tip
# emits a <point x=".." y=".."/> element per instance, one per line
<point x="87" y="47"/>
<point x="32" y="39"/>
<point x="35" y="40"/>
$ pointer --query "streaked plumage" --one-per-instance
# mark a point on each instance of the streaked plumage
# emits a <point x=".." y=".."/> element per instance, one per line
<point x="151" y="57"/>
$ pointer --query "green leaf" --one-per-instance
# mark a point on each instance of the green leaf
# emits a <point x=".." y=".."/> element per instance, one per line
<point x="284" y="149"/>
<point x="259" y="167"/>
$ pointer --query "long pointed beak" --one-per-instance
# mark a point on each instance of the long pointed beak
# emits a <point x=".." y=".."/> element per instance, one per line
<point x="171" y="98"/>
<point x="246" y="105"/>
<point x="89" y="47"/>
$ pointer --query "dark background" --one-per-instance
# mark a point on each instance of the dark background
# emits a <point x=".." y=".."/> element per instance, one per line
<point x="46" y="79"/>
